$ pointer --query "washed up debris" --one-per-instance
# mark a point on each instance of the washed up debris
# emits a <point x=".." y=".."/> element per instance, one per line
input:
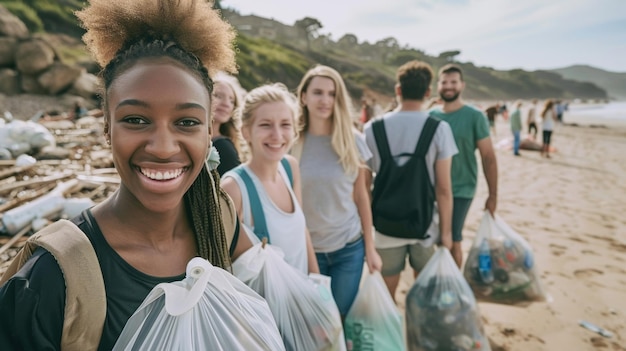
<point x="39" y="186"/>
<point x="595" y="328"/>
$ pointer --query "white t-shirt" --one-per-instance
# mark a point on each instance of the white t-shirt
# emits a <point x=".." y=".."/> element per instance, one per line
<point x="403" y="130"/>
<point x="547" y="123"/>
<point x="287" y="231"/>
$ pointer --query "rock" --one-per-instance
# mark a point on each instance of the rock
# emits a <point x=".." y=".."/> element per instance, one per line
<point x="30" y="85"/>
<point x="34" y="56"/>
<point x="11" y="26"/>
<point x="9" y="82"/>
<point x="59" y="77"/>
<point x="86" y="85"/>
<point x="91" y="66"/>
<point x="7" y="51"/>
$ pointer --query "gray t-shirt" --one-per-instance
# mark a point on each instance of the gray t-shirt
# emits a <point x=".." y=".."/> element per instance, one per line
<point x="403" y="130"/>
<point x="327" y="193"/>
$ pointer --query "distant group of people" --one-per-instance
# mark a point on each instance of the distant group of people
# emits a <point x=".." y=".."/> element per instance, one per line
<point x="547" y="115"/>
<point x="297" y="155"/>
<point x="550" y="114"/>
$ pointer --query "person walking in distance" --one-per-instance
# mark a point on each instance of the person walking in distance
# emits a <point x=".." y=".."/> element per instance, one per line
<point x="415" y="153"/>
<point x="516" y="127"/>
<point x="531" y="119"/>
<point x="471" y="131"/>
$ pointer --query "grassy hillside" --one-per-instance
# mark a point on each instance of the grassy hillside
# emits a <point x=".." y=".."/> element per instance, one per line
<point x="613" y="82"/>
<point x="365" y="67"/>
<point x="55" y="16"/>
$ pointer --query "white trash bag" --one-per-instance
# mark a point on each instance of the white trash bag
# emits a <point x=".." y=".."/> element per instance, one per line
<point x="373" y="321"/>
<point x="500" y="266"/>
<point x="441" y="311"/>
<point x="305" y="312"/>
<point x="208" y="310"/>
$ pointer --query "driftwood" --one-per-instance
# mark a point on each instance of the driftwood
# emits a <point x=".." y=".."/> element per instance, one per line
<point x="36" y="181"/>
<point x="30" y="196"/>
<point x="17" y="237"/>
<point x="14" y="170"/>
<point x="89" y="165"/>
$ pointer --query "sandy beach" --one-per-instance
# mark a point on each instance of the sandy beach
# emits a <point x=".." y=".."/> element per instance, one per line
<point x="571" y="209"/>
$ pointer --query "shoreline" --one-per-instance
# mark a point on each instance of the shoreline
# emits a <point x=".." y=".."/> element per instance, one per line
<point x="570" y="209"/>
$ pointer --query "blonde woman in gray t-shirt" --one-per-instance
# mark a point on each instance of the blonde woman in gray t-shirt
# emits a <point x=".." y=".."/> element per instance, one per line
<point x="335" y="198"/>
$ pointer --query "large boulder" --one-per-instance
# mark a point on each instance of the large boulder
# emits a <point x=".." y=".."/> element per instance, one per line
<point x="87" y="85"/>
<point x="11" y="26"/>
<point x="34" y="56"/>
<point x="59" y="77"/>
<point x="9" y="81"/>
<point x="7" y="51"/>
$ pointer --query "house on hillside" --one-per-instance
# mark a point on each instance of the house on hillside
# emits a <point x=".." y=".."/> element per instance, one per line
<point x="256" y="26"/>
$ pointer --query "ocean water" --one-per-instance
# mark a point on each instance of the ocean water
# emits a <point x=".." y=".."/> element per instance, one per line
<point x="613" y="113"/>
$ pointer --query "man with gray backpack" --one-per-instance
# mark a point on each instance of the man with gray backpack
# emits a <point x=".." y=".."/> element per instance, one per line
<point x="412" y="193"/>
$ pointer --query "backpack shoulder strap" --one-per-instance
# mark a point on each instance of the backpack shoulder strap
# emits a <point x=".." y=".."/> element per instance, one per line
<point x="260" y="226"/>
<point x="426" y="136"/>
<point x="85" y="297"/>
<point x="380" y="135"/>
<point x="296" y="149"/>
<point x="287" y="168"/>
<point x="229" y="217"/>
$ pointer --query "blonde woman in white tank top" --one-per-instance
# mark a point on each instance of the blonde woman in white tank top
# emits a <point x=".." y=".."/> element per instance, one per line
<point x="268" y="117"/>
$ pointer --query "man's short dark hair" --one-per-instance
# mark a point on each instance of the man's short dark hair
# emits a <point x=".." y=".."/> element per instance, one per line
<point x="414" y="78"/>
<point x="451" y="68"/>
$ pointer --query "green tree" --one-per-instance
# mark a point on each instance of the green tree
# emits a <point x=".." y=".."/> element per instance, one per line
<point x="450" y="55"/>
<point x="308" y="27"/>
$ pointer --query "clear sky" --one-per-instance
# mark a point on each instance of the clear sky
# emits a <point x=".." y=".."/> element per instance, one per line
<point x="504" y="34"/>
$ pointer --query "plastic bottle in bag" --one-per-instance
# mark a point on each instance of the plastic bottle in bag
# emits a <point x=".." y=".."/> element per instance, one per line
<point x="441" y="311"/>
<point x="514" y="276"/>
<point x="484" y="262"/>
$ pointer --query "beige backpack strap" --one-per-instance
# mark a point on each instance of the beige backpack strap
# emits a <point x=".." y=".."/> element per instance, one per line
<point x="296" y="149"/>
<point x="85" y="297"/>
<point x="229" y="216"/>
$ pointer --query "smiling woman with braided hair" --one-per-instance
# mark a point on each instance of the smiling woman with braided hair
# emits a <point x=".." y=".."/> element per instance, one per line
<point x="157" y="58"/>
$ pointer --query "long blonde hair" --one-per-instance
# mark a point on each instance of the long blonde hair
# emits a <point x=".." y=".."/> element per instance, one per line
<point x="342" y="135"/>
<point x="232" y="128"/>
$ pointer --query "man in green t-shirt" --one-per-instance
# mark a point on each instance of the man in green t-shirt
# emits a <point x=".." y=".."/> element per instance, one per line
<point x="471" y="131"/>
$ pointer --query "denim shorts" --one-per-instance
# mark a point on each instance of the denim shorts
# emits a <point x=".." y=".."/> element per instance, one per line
<point x="344" y="267"/>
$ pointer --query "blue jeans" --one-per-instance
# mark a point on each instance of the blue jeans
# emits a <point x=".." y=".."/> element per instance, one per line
<point x="345" y="267"/>
<point x="516" y="142"/>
